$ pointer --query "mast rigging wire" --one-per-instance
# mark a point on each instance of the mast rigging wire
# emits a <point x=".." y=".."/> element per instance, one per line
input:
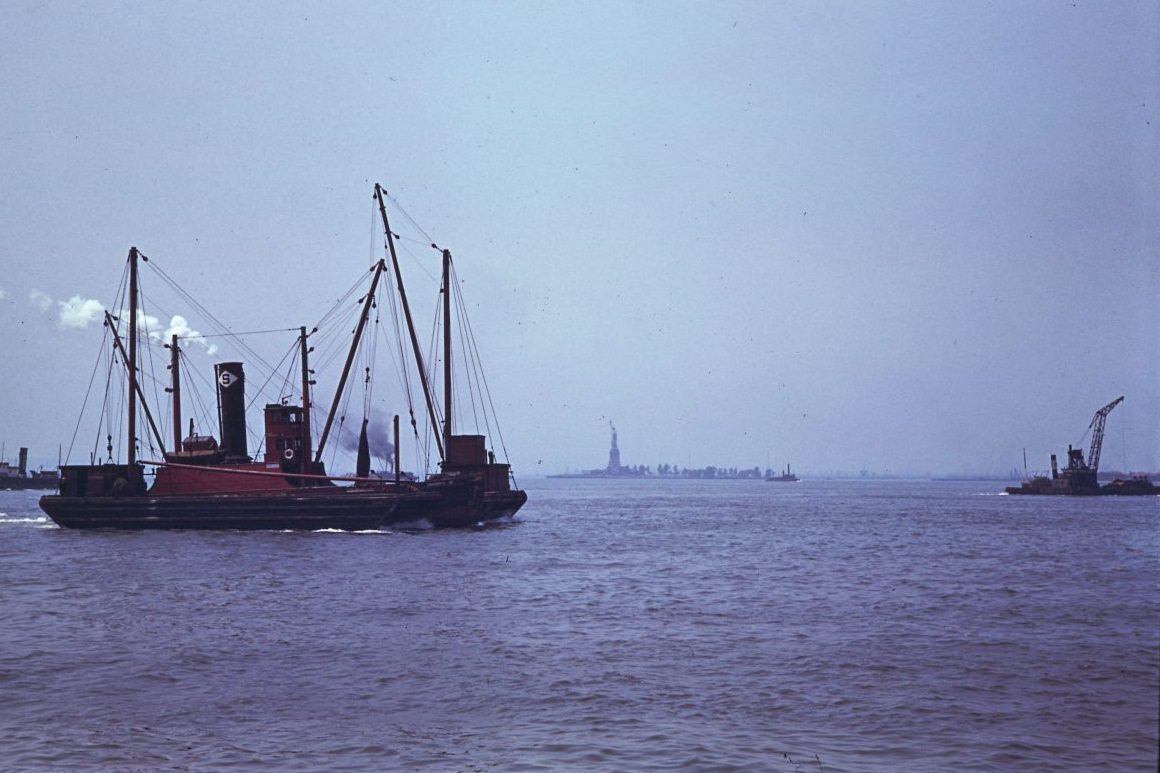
<point x="485" y="391"/>
<point x="88" y="392"/>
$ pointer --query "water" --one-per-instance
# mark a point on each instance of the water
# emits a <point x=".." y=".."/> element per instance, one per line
<point x="619" y="625"/>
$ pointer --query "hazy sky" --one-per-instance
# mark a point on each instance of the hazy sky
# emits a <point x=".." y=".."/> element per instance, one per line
<point x="906" y="237"/>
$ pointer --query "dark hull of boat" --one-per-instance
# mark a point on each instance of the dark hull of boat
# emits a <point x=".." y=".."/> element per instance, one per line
<point x="454" y="508"/>
<point x="345" y="510"/>
<point x="1041" y="491"/>
<point x="1118" y="488"/>
<point x="1131" y="488"/>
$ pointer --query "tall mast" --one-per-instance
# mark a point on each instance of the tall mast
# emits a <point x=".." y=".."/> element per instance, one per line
<point x="120" y="347"/>
<point x="407" y="315"/>
<point x="446" y="348"/>
<point x="305" y="399"/>
<point x="132" y="459"/>
<point x="362" y="321"/>
<point x="175" y="377"/>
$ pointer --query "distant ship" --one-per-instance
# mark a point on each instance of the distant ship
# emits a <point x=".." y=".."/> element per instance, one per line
<point x="20" y="477"/>
<point x="785" y="477"/>
<point x="1080" y="478"/>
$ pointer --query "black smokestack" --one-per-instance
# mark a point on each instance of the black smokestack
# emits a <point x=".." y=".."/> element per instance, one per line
<point x="231" y="388"/>
<point x="23" y="461"/>
<point x="378" y="435"/>
<point x="363" y="462"/>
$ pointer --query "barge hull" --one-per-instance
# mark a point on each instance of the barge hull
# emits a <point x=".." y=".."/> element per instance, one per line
<point x="357" y="512"/>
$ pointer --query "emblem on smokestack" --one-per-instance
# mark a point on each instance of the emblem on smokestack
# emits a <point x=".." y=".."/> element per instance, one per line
<point x="231" y="391"/>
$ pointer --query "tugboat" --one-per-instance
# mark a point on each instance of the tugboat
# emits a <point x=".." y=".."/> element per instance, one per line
<point x="206" y="484"/>
<point x="785" y="477"/>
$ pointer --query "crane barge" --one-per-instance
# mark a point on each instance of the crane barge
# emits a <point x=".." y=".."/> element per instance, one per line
<point x="1080" y="477"/>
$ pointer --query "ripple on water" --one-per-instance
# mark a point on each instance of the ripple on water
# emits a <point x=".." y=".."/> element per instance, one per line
<point x="619" y="626"/>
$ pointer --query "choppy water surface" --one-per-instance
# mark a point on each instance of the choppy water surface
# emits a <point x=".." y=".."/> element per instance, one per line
<point x="631" y="625"/>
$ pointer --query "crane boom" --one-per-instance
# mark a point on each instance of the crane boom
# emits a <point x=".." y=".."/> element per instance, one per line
<point x="1097" y="428"/>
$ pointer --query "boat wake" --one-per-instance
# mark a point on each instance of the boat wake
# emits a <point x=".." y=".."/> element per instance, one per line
<point x="381" y="531"/>
<point x="503" y="522"/>
<point x="42" y="521"/>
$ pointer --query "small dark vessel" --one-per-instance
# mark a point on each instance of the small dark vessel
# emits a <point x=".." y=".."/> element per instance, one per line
<point x="785" y="477"/>
<point x="21" y="478"/>
<point x="1080" y="477"/>
<point x="1137" y="485"/>
<point x="204" y="484"/>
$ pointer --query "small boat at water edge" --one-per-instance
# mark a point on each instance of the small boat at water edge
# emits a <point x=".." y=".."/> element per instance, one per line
<point x="20" y="478"/>
<point x="204" y="484"/>
<point x="1137" y="485"/>
<point x="785" y="477"/>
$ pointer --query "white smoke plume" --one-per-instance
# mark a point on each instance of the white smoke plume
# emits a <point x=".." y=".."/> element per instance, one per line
<point x="178" y="326"/>
<point x="78" y="312"/>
